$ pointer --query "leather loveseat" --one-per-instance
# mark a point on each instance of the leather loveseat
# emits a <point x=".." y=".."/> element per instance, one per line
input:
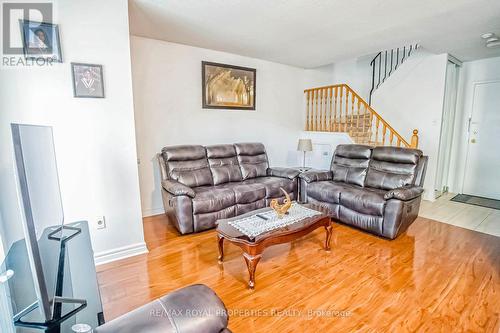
<point x="192" y="309"/>
<point x="203" y="184"/>
<point x="375" y="189"/>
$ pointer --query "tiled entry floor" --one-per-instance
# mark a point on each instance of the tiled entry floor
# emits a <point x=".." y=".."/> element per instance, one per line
<point x="471" y="217"/>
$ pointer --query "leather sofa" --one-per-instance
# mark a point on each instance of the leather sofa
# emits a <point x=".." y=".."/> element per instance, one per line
<point x="191" y="309"/>
<point x="203" y="184"/>
<point x="375" y="189"/>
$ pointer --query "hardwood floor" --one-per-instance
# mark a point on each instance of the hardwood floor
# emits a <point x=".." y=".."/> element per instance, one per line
<point x="434" y="278"/>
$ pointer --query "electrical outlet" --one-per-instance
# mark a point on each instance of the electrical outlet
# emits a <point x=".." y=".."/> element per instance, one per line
<point x="100" y="222"/>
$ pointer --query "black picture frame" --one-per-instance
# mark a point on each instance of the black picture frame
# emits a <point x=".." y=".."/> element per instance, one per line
<point x="49" y="49"/>
<point x="252" y="92"/>
<point x="79" y="88"/>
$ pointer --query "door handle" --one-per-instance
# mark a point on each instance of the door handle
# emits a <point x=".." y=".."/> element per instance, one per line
<point x="5" y="276"/>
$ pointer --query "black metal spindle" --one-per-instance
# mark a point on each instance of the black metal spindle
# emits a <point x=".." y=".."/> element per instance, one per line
<point x="394" y="64"/>
<point x="397" y="59"/>
<point x="392" y="53"/>
<point x="379" y="68"/>
<point x="373" y="81"/>
<point x="385" y="66"/>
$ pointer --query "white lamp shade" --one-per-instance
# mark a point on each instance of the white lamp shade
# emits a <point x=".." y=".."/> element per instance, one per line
<point x="305" y="145"/>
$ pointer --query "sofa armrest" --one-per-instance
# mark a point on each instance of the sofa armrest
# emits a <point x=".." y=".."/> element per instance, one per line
<point x="316" y="175"/>
<point x="404" y="193"/>
<point x="175" y="188"/>
<point x="283" y="172"/>
<point x="195" y="308"/>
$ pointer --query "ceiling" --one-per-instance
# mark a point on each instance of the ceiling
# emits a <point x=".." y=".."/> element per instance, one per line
<point x="312" y="33"/>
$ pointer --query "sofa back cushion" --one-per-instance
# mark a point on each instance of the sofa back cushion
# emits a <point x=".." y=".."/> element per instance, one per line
<point x="350" y="164"/>
<point x="223" y="164"/>
<point x="392" y="167"/>
<point x="187" y="165"/>
<point x="252" y="159"/>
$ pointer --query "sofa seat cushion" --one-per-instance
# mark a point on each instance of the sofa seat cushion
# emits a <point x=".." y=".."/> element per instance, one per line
<point x="212" y="198"/>
<point x="363" y="200"/>
<point x="246" y="193"/>
<point x="273" y="184"/>
<point x="327" y="191"/>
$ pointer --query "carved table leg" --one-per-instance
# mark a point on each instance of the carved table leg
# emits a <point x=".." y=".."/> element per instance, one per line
<point x="329" y="232"/>
<point x="252" y="262"/>
<point x="220" y="244"/>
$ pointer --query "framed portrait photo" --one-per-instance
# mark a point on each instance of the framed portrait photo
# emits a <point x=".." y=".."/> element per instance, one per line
<point x="88" y="80"/>
<point x="227" y="86"/>
<point x="41" y="40"/>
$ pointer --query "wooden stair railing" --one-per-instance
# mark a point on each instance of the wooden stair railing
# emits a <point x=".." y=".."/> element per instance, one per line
<point x="338" y="108"/>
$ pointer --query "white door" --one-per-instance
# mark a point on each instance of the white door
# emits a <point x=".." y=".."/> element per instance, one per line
<point x="482" y="175"/>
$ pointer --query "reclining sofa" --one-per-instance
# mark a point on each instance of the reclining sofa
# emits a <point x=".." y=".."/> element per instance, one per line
<point x="375" y="189"/>
<point x="203" y="184"/>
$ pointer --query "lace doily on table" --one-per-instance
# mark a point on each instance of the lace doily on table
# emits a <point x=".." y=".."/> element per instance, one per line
<point x="253" y="225"/>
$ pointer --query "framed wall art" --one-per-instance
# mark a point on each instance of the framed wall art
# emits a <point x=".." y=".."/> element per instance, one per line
<point x="41" y="40"/>
<point x="227" y="86"/>
<point x="88" y="80"/>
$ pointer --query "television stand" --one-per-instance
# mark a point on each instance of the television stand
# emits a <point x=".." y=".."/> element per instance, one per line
<point x="52" y="326"/>
<point x="77" y="298"/>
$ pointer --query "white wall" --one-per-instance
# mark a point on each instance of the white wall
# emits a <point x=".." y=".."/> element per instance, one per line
<point x="324" y="145"/>
<point x="167" y="99"/>
<point x="413" y="98"/>
<point x="94" y="138"/>
<point x="318" y="77"/>
<point x="3" y="248"/>
<point x="356" y="73"/>
<point x="472" y="72"/>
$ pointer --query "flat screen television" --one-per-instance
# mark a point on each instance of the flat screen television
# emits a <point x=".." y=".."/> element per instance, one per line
<point x="43" y="218"/>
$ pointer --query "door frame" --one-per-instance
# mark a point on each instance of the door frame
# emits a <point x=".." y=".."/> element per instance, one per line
<point x="469" y="120"/>
<point x="452" y="117"/>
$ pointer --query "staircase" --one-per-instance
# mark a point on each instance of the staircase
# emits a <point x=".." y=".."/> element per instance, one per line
<point x="385" y="63"/>
<point x="338" y="108"/>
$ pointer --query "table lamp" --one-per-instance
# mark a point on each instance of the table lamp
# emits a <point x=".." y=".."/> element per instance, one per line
<point x="304" y="146"/>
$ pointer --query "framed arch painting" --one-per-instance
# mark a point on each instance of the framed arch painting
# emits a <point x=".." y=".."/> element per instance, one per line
<point x="227" y="86"/>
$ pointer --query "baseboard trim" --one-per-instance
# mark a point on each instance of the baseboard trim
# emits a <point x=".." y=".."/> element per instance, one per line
<point x="153" y="211"/>
<point x="123" y="252"/>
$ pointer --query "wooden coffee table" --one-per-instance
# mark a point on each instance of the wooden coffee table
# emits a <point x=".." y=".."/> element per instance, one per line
<point x="253" y="248"/>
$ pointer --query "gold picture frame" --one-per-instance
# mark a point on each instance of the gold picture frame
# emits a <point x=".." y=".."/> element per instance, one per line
<point x="227" y="86"/>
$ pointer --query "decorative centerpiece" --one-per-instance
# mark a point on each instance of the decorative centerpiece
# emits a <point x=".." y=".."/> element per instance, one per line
<point x="282" y="209"/>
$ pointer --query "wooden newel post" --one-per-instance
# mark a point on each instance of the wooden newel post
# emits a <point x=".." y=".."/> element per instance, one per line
<point x="414" y="139"/>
